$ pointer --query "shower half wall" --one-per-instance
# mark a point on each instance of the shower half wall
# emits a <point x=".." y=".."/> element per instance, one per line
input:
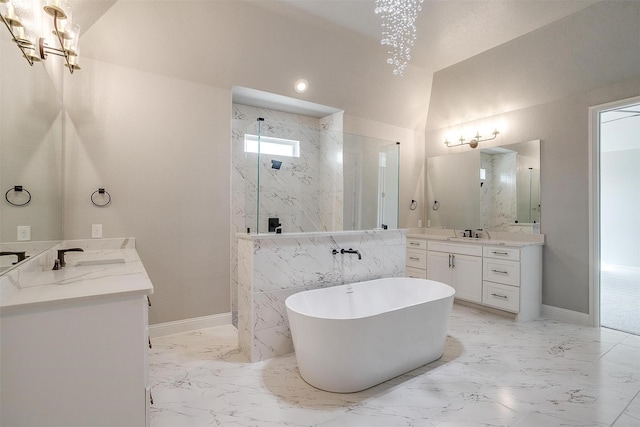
<point x="323" y="181"/>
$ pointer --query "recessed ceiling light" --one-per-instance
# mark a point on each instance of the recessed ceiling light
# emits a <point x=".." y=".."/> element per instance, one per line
<point x="301" y="85"/>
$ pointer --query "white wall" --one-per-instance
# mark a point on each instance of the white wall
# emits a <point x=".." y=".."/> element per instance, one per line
<point x="161" y="148"/>
<point x="540" y="86"/>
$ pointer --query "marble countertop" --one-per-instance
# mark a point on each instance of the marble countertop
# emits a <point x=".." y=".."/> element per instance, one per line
<point x="253" y="236"/>
<point x="518" y="240"/>
<point x="107" y="268"/>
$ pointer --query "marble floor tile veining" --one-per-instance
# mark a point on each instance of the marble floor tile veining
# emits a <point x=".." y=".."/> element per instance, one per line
<point x="494" y="372"/>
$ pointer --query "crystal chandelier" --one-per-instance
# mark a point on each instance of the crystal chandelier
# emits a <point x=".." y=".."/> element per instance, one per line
<point x="398" y="30"/>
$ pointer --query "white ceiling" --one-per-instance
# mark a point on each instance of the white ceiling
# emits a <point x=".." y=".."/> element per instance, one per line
<point x="334" y="44"/>
<point x="448" y="31"/>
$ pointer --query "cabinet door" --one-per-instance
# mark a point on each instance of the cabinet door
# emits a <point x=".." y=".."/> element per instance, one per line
<point x="438" y="267"/>
<point x="467" y="277"/>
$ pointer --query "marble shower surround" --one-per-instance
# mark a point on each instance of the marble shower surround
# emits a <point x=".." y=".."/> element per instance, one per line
<point x="270" y="268"/>
<point x="313" y="182"/>
<point x="498" y="207"/>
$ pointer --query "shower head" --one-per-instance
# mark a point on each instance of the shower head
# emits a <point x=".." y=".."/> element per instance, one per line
<point x="275" y="164"/>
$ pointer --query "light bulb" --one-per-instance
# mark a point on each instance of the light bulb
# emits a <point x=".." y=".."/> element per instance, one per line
<point x="301" y="86"/>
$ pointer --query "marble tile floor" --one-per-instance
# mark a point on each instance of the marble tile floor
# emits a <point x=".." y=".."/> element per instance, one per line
<point x="494" y="372"/>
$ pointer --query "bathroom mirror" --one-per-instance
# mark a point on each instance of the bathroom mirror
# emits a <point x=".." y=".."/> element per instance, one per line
<point x="31" y="117"/>
<point x="495" y="189"/>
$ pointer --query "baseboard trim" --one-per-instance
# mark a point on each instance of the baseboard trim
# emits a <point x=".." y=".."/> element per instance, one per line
<point x="565" y="315"/>
<point x="188" y="325"/>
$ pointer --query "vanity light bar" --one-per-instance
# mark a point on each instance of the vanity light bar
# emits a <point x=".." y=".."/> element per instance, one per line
<point x="473" y="143"/>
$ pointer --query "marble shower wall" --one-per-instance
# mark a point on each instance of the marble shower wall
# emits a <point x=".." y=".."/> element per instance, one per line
<point x="272" y="267"/>
<point x="498" y="207"/>
<point x="305" y="193"/>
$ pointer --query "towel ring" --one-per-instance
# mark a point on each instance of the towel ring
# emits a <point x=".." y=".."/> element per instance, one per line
<point x="414" y="205"/>
<point x="17" y="189"/>
<point x="436" y="205"/>
<point x="103" y="192"/>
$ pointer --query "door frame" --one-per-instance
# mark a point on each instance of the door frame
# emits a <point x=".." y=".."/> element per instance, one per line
<point x="594" y="203"/>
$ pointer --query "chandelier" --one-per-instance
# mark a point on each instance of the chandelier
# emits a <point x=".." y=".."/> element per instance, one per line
<point x="398" y="30"/>
<point x="42" y="27"/>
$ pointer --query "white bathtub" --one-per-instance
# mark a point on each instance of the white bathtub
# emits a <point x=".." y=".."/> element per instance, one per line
<point x="351" y="337"/>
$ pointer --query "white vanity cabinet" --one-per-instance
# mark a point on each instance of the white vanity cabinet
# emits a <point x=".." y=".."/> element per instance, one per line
<point x="417" y="258"/>
<point x="512" y="279"/>
<point x="80" y="364"/>
<point x="457" y="265"/>
<point x="504" y="276"/>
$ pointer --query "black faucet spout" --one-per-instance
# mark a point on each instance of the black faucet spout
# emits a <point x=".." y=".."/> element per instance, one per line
<point x="22" y="255"/>
<point x="61" y="253"/>
<point x="351" y="251"/>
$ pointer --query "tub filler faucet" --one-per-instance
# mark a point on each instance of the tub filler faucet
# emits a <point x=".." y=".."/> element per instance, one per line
<point x="351" y="251"/>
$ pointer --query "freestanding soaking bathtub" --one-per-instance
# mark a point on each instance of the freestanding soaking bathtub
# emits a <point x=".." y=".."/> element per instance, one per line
<point x="351" y="337"/>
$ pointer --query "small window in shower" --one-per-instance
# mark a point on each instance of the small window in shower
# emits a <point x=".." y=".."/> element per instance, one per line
<point x="270" y="145"/>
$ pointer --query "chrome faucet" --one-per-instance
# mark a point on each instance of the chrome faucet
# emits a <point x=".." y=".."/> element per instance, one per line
<point x="59" y="263"/>
<point x="22" y="255"/>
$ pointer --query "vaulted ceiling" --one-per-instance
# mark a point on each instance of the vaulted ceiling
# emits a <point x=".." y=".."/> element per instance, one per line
<point x="333" y="43"/>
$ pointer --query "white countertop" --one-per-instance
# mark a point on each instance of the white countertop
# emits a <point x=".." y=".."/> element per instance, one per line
<point x="261" y="236"/>
<point x="517" y="240"/>
<point x="107" y="268"/>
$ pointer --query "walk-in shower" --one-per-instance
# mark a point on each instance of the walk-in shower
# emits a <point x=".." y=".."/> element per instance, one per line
<point x="312" y="178"/>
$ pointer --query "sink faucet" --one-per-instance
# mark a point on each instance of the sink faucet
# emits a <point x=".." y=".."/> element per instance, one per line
<point x="60" y="260"/>
<point x="351" y="251"/>
<point x="480" y="233"/>
<point x="22" y="255"/>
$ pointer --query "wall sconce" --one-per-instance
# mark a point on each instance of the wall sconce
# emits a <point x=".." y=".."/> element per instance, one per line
<point x="31" y="29"/>
<point x="473" y="143"/>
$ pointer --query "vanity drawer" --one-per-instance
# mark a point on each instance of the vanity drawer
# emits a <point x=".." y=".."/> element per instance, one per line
<point x="416" y="273"/>
<point x="500" y="296"/>
<point x="455" y="248"/>
<point x="417" y="259"/>
<point x="500" y="252"/>
<point x="417" y="244"/>
<point x="499" y="271"/>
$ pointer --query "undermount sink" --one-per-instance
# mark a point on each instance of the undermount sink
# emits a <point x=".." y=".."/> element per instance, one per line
<point x="464" y="239"/>
<point x="100" y="261"/>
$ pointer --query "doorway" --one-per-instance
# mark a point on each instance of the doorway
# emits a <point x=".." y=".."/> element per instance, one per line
<point x="616" y="215"/>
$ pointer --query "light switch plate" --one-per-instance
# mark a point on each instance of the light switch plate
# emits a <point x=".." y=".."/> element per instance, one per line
<point x="24" y="233"/>
<point x="96" y="231"/>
